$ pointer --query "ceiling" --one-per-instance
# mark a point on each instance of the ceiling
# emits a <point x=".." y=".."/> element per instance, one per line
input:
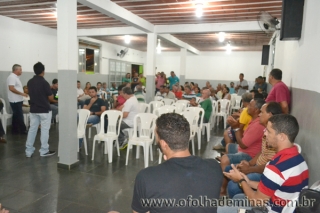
<point x="159" y="12"/>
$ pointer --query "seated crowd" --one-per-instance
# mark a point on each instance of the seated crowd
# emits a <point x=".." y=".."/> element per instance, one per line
<point x="261" y="162"/>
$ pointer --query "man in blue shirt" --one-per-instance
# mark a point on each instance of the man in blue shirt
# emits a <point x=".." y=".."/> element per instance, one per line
<point x="173" y="79"/>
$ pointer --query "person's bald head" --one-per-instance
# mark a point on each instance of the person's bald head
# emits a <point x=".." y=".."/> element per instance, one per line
<point x="206" y="93"/>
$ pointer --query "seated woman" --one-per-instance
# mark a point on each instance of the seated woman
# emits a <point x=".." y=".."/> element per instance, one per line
<point x="197" y="91"/>
<point x="226" y="94"/>
<point x="86" y="89"/>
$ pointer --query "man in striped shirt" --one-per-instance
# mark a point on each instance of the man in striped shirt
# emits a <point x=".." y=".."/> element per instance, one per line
<point x="284" y="176"/>
<point x="188" y="95"/>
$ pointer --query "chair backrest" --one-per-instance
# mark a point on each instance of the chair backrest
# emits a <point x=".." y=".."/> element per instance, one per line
<point x="224" y="106"/>
<point x="147" y="124"/>
<point x="144" y="107"/>
<point x="158" y="98"/>
<point x="200" y="112"/>
<point x="155" y="104"/>
<point x="83" y="115"/>
<point x="184" y="101"/>
<point x="114" y="121"/>
<point x="164" y="109"/>
<point x="179" y="107"/>
<point x="4" y="110"/>
<point x="192" y="117"/>
<point x="198" y="99"/>
<point x="237" y="102"/>
<point x="168" y="101"/>
<point x="103" y="95"/>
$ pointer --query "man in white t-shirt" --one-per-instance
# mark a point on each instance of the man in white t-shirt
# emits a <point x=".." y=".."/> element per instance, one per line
<point x="129" y="109"/>
<point x="242" y="85"/>
<point x="15" y="96"/>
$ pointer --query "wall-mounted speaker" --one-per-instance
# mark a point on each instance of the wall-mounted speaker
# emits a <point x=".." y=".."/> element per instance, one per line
<point x="291" y="22"/>
<point x="265" y="55"/>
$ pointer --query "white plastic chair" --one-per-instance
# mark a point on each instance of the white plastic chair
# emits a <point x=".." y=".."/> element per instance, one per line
<point x="155" y="104"/>
<point x="158" y="98"/>
<point x="198" y="99"/>
<point x="26" y="117"/>
<point x="168" y="101"/>
<point x="184" y="101"/>
<point x="236" y="105"/>
<point x="298" y="147"/>
<point x="198" y="127"/>
<point x="97" y="126"/>
<point x="164" y="109"/>
<point x="114" y="122"/>
<point x="145" y="138"/>
<point x="144" y="107"/>
<point x="4" y="116"/>
<point x="180" y="107"/>
<point x="224" y="111"/>
<point x="83" y="115"/>
<point x="213" y="114"/>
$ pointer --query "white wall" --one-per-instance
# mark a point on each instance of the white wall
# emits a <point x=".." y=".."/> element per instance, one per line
<point x="299" y="60"/>
<point x="213" y="65"/>
<point x="109" y="51"/>
<point x="25" y="44"/>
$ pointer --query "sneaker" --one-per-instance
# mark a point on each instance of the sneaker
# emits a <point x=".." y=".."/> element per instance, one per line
<point x="218" y="147"/>
<point x="49" y="153"/>
<point x="124" y="144"/>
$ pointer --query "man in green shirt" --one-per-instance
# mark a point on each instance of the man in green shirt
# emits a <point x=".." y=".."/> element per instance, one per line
<point x="205" y="104"/>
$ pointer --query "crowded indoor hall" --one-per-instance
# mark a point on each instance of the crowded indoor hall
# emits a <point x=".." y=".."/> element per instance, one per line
<point x="159" y="106"/>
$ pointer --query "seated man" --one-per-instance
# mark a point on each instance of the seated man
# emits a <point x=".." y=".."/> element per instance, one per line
<point x="205" y="104"/>
<point x="176" y="91"/>
<point x="130" y="109"/>
<point x="244" y="120"/>
<point x="114" y="89"/>
<point x="161" y="91"/>
<point x="99" y="89"/>
<point x="188" y="95"/>
<point x="168" y="93"/>
<point x="54" y="102"/>
<point x="254" y="168"/>
<point x="181" y="177"/>
<point x="139" y="94"/>
<point x="283" y="177"/>
<point x="249" y="141"/>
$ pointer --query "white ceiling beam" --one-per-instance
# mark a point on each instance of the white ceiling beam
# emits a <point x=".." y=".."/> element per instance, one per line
<point x="179" y="43"/>
<point x="208" y="28"/>
<point x="119" y="13"/>
<point x="112" y="31"/>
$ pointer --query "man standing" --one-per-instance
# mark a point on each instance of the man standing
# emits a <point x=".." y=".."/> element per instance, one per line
<point x="242" y="85"/>
<point x="284" y="176"/>
<point x="279" y="92"/>
<point x="129" y="109"/>
<point x="40" y="112"/>
<point x="15" y="96"/>
<point x="173" y="79"/>
<point x="54" y="102"/>
<point x="182" y="177"/>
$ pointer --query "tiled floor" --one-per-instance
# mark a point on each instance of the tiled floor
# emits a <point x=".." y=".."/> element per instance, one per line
<point x="36" y="185"/>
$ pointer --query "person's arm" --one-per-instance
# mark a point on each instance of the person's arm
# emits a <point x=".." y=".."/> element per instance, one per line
<point x="51" y="99"/>
<point x="12" y="89"/>
<point x="102" y="108"/>
<point x="90" y="104"/>
<point x="245" y="87"/>
<point x="239" y="136"/>
<point x="125" y="114"/>
<point x="284" y="107"/>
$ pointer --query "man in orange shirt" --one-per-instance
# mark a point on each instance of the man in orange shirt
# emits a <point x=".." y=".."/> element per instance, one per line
<point x="177" y="92"/>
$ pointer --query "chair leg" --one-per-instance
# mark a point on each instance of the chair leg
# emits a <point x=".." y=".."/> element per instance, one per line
<point x="225" y="121"/>
<point x="93" y="148"/>
<point x="127" y="155"/>
<point x="192" y="144"/>
<point x="109" y="144"/>
<point x="146" y="155"/>
<point x="89" y="135"/>
<point x="151" y="153"/>
<point x="85" y="144"/>
<point x="4" y="123"/>
<point x="199" y="138"/>
<point x="203" y="129"/>
<point x="208" y="131"/>
<point x="160" y="156"/>
<point x="117" y="143"/>
<point x="138" y="152"/>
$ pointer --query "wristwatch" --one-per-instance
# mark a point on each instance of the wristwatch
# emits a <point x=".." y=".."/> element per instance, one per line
<point x="240" y="181"/>
<point x="236" y="129"/>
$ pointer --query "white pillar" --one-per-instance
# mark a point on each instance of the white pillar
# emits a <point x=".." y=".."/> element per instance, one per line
<point x="151" y="65"/>
<point x="183" y="65"/>
<point x="67" y="78"/>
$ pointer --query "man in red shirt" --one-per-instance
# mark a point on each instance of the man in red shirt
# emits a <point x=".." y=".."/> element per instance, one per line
<point x="249" y="141"/>
<point x="279" y="92"/>
<point x="177" y="92"/>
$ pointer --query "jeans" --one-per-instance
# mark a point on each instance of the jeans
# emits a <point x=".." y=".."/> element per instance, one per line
<point x="234" y="208"/>
<point x="18" y="125"/>
<point x="233" y="188"/>
<point x="122" y="136"/>
<point x="238" y="157"/>
<point x="35" y="119"/>
<point x="93" y="119"/>
<point x="54" y="108"/>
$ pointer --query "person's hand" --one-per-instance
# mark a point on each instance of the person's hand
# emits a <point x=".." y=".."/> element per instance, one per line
<point x="25" y="95"/>
<point x="3" y="210"/>
<point x="245" y="177"/>
<point x="244" y="168"/>
<point x="234" y="174"/>
<point x="93" y="100"/>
